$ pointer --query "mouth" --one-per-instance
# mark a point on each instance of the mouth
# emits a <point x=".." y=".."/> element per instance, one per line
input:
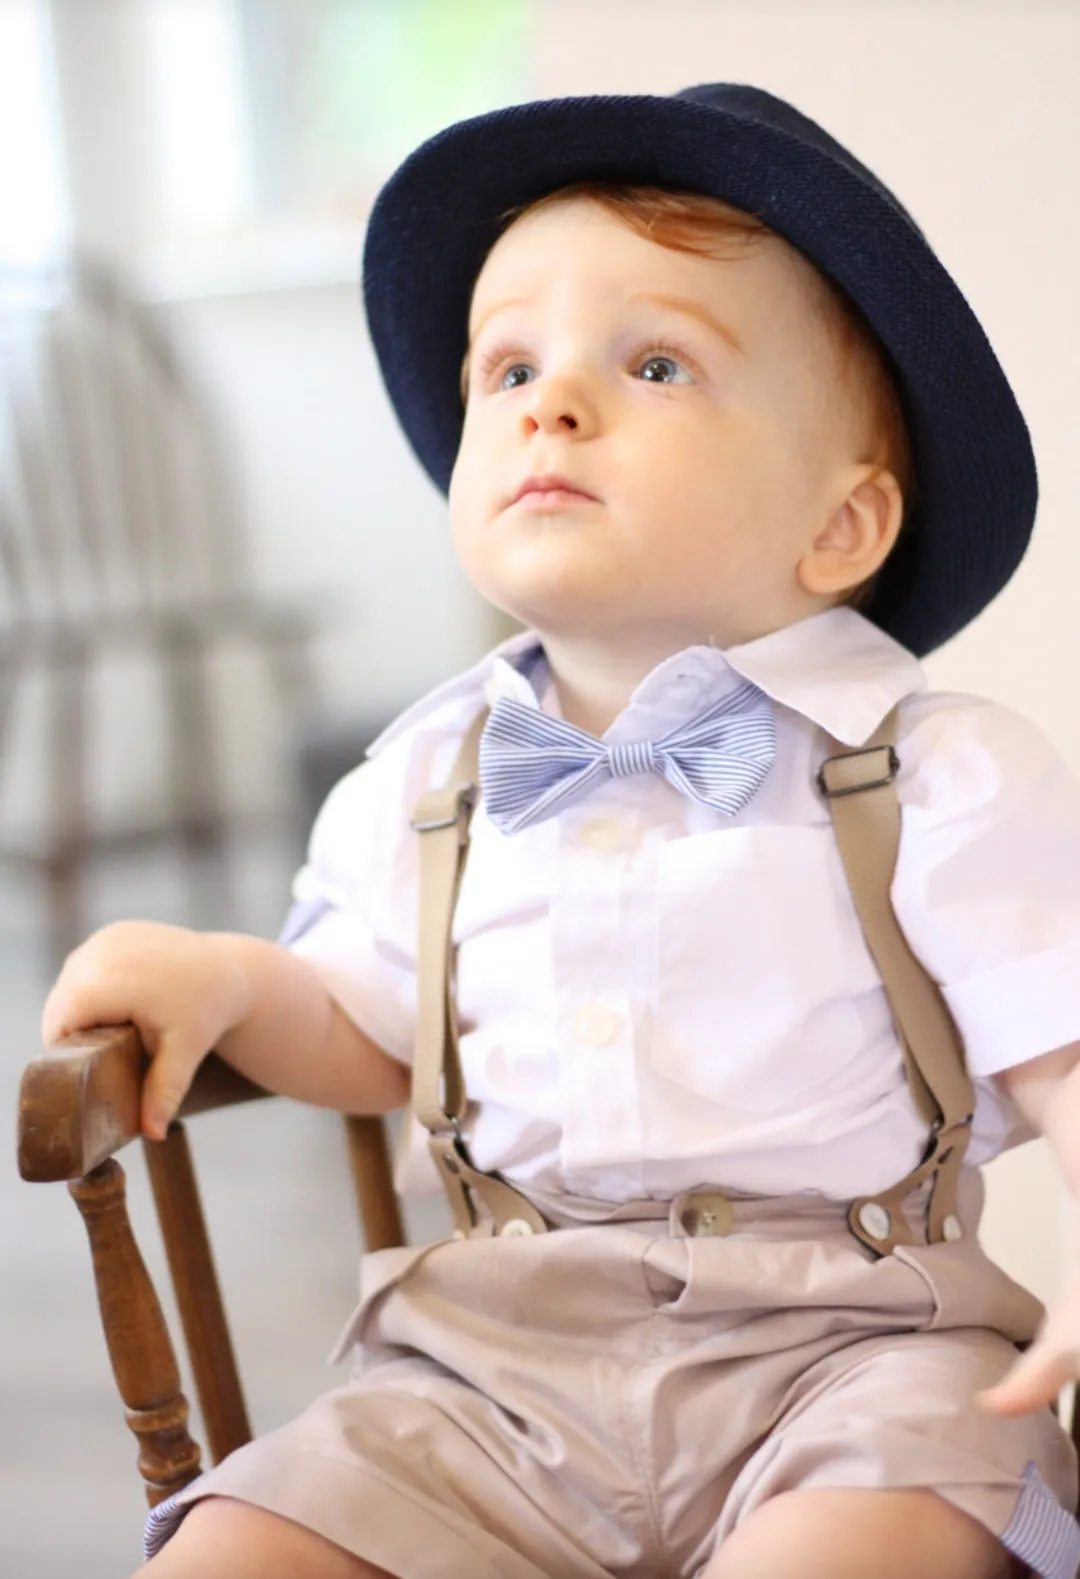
<point x="549" y="492"/>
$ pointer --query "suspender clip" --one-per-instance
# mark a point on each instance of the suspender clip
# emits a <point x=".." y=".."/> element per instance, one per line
<point x="890" y="766"/>
<point x="443" y="808"/>
<point x="943" y="1139"/>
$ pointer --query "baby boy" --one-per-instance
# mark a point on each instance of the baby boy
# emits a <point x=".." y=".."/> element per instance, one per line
<point x="719" y="430"/>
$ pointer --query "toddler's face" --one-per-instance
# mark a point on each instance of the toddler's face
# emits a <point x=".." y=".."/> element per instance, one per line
<point x="692" y="399"/>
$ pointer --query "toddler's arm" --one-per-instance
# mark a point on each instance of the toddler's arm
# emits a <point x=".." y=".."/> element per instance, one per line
<point x="259" y="1006"/>
<point x="1047" y="1092"/>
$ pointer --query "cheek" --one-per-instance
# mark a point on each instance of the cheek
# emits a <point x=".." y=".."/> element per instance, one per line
<point x="469" y="509"/>
<point x="466" y="479"/>
<point x="473" y="480"/>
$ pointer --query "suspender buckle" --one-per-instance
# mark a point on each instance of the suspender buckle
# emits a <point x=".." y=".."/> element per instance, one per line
<point x="443" y="808"/>
<point x="890" y="768"/>
<point x="943" y="1139"/>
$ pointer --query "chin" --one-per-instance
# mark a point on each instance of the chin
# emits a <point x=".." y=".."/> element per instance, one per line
<point x="587" y="614"/>
<point x="529" y="580"/>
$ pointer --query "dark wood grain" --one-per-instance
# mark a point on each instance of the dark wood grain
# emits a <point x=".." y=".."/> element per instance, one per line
<point x="373" y="1182"/>
<point x="198" y="1294"/>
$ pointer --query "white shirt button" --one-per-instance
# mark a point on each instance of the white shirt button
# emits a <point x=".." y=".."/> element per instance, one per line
<point x="596" y="1025"/>
<point x="875" y="1220"/>
<point x="601" y="833"/>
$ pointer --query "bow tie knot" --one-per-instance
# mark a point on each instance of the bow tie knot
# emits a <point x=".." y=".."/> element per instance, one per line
<point x="637" y="756"/>
<point x="533" y="765"/>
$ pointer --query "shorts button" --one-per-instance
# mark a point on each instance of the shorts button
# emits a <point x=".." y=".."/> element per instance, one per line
<point x="951" y="1229"/>
<point x="516" y="1228"/>
<point x="708" y="1217"/>
<point x="875" y="1220"/>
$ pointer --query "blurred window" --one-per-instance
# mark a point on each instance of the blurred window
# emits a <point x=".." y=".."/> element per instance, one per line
<point x="32" y="209"/>
<point x="198" y="98"/>
<point x="285" y="115"/>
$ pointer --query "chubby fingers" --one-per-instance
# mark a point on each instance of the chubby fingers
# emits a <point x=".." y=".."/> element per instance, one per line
<point x="1034" y="1382"/>
<point x="93" y="988"/>
<point x="72" y="1005"/>
<point x="175" y="1059"/>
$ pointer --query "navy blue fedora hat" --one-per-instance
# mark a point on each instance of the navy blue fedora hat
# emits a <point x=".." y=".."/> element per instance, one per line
<point x="437" y="217"/>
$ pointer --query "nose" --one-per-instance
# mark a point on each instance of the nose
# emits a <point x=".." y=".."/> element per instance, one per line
<point x="560" y="404"/>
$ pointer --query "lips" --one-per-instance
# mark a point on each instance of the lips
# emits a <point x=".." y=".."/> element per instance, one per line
<point x="550" y="482"/>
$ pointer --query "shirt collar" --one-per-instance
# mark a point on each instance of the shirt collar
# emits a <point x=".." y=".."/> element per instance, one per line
<point x="836" y="668"/>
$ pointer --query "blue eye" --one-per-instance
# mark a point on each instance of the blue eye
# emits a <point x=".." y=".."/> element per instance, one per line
<point x="511" y="381"/>
<point x="666" y="370"/>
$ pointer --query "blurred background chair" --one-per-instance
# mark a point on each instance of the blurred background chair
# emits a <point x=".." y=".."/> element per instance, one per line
<point x="120" y="529"/>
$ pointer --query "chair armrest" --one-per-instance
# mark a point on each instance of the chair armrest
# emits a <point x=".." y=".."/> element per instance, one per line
<point x="79" y="1101"/>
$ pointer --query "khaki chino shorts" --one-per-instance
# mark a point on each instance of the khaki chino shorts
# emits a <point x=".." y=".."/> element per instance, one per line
<point x="615" y="1397"/>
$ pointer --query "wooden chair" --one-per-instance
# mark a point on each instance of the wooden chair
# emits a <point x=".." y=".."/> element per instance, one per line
<point x="78" y="1106"/>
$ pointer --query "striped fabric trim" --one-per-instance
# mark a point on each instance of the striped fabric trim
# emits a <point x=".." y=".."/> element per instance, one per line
<point x="533" y="766"/>
<point x="161" y="1525"/>
<point x="1041" y="1532"/>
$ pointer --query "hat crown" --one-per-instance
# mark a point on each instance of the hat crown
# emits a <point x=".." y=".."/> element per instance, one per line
<point x="765" y="109"/>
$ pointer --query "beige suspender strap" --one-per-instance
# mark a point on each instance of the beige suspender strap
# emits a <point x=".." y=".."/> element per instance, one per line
<point x="860" y="788"/>
<point x="441" y="817"/>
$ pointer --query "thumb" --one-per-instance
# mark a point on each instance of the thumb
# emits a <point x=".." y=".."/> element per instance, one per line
<point x="172" y="1068"/>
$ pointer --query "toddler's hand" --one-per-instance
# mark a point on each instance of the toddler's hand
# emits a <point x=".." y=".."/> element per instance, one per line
<point x="1049" y="1365"/>
<point x="182" y="990"/>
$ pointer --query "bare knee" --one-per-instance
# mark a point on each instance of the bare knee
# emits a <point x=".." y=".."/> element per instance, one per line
<point x="846" y="1534"/>
<point x="224" y="1539"/>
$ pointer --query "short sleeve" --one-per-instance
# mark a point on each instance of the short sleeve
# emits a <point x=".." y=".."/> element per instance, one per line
<point x="987" y="886"/>
<point x="353" y="900"/>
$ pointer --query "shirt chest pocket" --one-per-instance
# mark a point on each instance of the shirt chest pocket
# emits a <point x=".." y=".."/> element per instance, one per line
<point x="763" y="970"/>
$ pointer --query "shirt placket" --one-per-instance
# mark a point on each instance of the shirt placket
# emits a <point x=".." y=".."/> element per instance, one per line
<point x="593" y="970"/>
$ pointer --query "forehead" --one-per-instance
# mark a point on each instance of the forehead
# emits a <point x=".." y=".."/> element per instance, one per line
<point x="575" y="245"/>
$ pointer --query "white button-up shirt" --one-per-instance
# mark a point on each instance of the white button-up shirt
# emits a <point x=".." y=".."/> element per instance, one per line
<point x="654" y="996"/>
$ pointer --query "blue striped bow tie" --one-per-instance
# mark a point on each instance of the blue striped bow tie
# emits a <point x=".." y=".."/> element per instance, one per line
<point x="533" y="765"/>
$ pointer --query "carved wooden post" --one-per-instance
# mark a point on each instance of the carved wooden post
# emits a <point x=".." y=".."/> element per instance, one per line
<point x="140" y="1349"/>
<point x="198" y="1295"/>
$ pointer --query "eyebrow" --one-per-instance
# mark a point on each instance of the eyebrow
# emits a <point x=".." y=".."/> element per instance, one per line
<point x="496" y="307"/>
<point x="679" y="304"/>
<point x="695" y="309"/>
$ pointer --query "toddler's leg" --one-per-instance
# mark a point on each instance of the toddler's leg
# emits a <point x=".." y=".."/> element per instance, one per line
<point x="224" y="1539"/>
<point x="834" y="1534"/>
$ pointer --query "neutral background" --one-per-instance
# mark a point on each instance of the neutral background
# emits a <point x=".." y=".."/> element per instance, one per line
<point x="970" y="109"/>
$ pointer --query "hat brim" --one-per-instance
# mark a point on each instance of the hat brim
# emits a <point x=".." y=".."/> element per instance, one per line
<point x="438" y="216"/>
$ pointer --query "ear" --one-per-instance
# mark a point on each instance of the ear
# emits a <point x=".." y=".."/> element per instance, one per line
<point x="858" y="537"/>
